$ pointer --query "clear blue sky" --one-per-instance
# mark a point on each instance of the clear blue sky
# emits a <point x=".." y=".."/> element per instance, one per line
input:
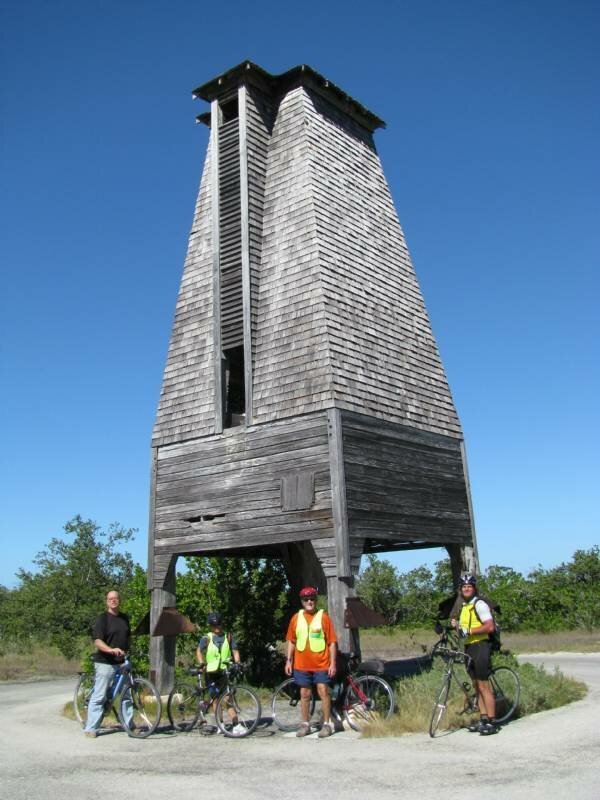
<point x="491" y="152"/>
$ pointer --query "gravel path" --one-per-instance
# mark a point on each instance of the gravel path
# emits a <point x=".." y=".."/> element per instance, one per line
<point x="555" y="754"/>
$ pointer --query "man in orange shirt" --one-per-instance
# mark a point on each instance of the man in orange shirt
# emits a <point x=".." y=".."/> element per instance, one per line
<point x="311" y="658"/>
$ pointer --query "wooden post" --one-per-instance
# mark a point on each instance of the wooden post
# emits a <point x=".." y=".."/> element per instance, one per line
<point x="470" y="555"/>
<point x="462" y="559"/>
<point x="338" y="494"/>
<point x="302" y="568"/>
<point x="216" y="254"/>
<point x="337" y="592"/>
<point x="162" y="648"/>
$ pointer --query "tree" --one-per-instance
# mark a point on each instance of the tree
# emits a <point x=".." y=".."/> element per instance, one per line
<point x="378" y="586"/>
<point x="251" y="595"/>
<point x="59" y="603"/>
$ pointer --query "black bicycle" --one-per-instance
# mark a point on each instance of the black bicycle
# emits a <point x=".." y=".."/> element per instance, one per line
<point x="237" y="708"/>
<point x="359" y="697"/>
<point x="134" y="701"/>
<point x="451" y="704"/>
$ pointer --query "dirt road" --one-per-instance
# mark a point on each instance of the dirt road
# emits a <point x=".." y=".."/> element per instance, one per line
<point x="555" y="754"/>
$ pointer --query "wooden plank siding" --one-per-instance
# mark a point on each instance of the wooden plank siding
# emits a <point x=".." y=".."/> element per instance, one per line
<point x="403" y="484"/>
<point x="223" y="493"/>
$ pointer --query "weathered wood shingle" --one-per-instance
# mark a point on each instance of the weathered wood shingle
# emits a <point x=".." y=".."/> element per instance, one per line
<point x="186" y="406"/>
<point x="384" y="359"/>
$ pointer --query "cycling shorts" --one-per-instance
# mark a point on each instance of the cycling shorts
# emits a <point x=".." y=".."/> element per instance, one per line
<point x="480" y="664"/>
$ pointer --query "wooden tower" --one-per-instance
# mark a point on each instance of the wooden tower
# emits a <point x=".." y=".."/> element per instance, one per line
<point x="304" y="412"/>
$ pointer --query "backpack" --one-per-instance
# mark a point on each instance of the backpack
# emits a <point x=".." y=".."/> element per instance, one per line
<point x="494" y="639"/>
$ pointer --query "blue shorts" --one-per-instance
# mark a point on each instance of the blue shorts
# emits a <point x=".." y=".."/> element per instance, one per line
<point x="308" y="678"/>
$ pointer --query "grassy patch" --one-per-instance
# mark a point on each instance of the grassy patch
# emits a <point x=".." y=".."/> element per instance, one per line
<point x="415" y="697"/>
<point x="541" y="690"/>
<point x="577" y="641"/>
<point x="35" y="663"/>
<point x="391" y="643"/>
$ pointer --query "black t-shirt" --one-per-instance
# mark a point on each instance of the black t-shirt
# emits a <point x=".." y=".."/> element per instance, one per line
<point x="113" y="630"/>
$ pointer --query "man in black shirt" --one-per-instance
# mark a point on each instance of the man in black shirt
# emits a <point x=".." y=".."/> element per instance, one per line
<point x="111" y="639"/>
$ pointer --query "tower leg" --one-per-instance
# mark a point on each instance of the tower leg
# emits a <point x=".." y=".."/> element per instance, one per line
<point x="462" y="559"/>
<point x="162" y="648"/>
<point x="338" y="590"/>
<point x="302" y="568"/>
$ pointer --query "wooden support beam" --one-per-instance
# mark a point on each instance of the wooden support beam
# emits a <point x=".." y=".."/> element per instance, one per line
<point x="470" y="555"/>
<point x="216" y="265"/>
<point x="162" y="648"/>
<point x="152" y="517"/>
<point x="338" y="493"/>
<point x="337" y="593"/>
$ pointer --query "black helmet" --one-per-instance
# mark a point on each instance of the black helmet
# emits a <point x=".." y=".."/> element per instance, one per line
<point x="467" y="580"/>
<point x="214" y="618"/>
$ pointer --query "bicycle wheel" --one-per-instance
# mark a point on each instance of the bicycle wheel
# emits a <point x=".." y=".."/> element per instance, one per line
<point x="285" y="706"/>
<point x="183" y="706"/>
<point x="371" y="700"/>
<point x="439" y="709"/>
<point x="81" y="698"/>
<point x="140" y="708"/>
<point x="507" y="690"/>
<point x="238" y="711"/>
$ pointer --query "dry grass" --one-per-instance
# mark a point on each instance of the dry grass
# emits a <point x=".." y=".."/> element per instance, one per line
<point x="392" y="643"/>
<point x="35" y="664"/>
<point x="395" y="643"/>
<point x="578" y="641"/>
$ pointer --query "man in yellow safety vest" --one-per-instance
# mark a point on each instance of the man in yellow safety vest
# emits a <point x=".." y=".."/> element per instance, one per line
<point x="475" y="624"/>
<point x="311" y="658"/>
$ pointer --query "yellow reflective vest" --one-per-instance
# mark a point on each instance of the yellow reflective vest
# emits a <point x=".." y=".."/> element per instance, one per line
<point x="313" y="633"/>
<point x="216" y="659"/>
<point x="469" y="619"/>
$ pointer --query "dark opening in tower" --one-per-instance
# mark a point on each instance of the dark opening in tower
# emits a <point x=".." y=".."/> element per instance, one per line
<point x="234" y="396"/>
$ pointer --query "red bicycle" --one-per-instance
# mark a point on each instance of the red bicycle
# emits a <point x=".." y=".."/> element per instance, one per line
<point x="358" y="696"/>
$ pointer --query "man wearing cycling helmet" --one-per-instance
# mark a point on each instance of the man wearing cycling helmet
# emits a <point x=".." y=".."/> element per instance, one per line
<point x="475" y="624"/>
<point x="216" y="650"/>
<point x="311" y="658"/>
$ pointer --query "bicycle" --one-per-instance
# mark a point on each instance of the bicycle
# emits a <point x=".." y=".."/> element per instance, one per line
<point x="504" y="683"/>
<point x="359" y="697"/>
<point x="139" y="708"/>
<point x="189" y="703"/>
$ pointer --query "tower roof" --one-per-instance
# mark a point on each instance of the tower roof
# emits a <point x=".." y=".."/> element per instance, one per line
<point x="278" y="85"/>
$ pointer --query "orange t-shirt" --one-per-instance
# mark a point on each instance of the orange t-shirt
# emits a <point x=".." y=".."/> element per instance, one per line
<point x="307" y="660"/>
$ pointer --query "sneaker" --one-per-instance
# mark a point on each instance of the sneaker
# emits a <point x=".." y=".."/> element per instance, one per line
<point x="303" y="730"/>
<point x="239" y="730"/>
<point x="475" y="726"/>
<point x="326" y="730"/>
<point x="91" y="734"/>
<point x="488" y="728"/>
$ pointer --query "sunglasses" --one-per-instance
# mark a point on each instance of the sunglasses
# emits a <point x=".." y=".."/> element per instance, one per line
<point x="309" y="599"/>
